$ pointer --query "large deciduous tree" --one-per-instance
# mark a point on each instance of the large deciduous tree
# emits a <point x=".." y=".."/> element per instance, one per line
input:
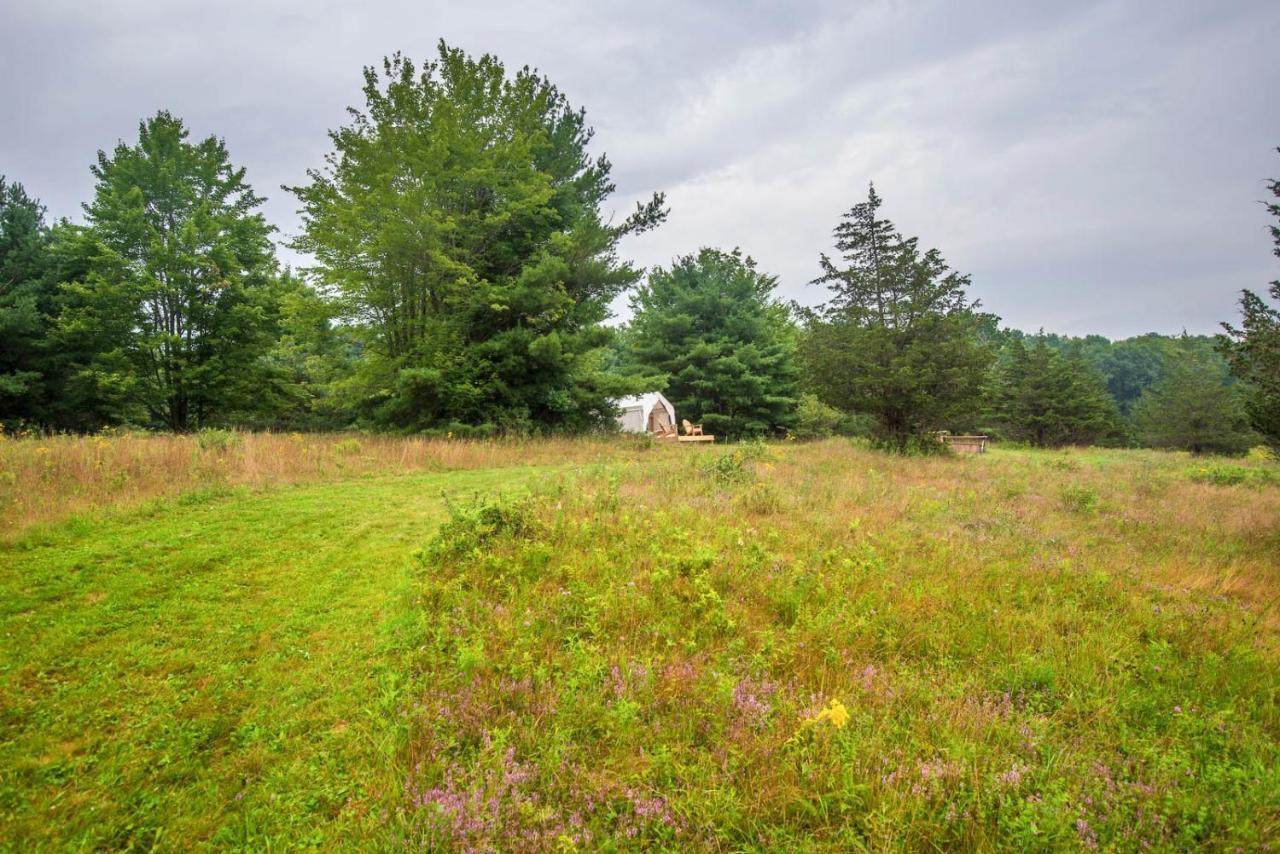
<point x="459" y="223"/>
<point x="710" y="325"/>
<point x="175" y="306"/>
<point x="1253" y="348"/>
<point x="898" y="340"/>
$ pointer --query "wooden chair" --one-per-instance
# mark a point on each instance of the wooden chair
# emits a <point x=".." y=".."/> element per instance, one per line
<point x="691" y="429"/>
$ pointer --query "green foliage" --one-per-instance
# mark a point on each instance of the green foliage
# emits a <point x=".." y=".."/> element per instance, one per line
<point x="1049" y="400"/>
<point x="815" y="419"/>
<point x="27" y="299"/>
<point x="1253" y="349"/>
<point x="1225" y="475"/>
<point x="212" y="439"/>
<point x="732" y="467"/>
<point x="310" y="365"/>
<point x="347" y="447"/>
<point x="474" y="523"/>
<point x="459" y="224"/>
<point x="1193" y="408"/>
<point x="898" y="339"/>
<point x="710" y="325"/>
<point x="176" y="304"/>
<point x="1078" y="499"/>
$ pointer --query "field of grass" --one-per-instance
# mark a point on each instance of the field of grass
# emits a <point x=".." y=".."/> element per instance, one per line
<point x="584" y="645"/>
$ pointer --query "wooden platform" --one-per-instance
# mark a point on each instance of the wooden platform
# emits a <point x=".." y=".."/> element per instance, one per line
<point x="695" y="438"/>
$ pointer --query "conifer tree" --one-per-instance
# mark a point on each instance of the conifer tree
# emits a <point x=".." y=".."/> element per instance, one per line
<point x="26" y="302"/>
<point x="898" y="339"/>
<point x="1193" y="408"/>
<point x="710" y="325"/>
<point x="1253" y="349"/>
<point x="1049" y="399"/>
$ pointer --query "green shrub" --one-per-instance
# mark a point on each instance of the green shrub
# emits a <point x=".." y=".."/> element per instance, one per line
<point x="347" y="447"/>
<point x="478" y="522"/>
<point x="1078" y="499"/>
<point x="815" y="419"/>
<point x="217" y="440"/>
<point x="736" y="465"/>
<point x="1221" y="475"/>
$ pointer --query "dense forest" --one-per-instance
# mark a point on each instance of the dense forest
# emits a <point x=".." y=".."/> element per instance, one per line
<point x="461" y="283"/>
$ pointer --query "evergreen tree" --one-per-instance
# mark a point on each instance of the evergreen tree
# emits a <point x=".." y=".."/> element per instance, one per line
<point x="459" y="222"/>
<point x="710" y="325"/>
<point x="1253" y="349"/>
<point x="175" y="309"/>
<point x="898" y="339"/>
<point x="26" y="301"/>
<point x="1193" y="408"/>
<point x="1049" y="399"/>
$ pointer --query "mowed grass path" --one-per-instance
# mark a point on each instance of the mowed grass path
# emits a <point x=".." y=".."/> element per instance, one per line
<point x="214" y="671"/>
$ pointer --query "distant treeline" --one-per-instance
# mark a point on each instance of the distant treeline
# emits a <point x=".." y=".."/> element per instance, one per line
<point x="462" y="278"/>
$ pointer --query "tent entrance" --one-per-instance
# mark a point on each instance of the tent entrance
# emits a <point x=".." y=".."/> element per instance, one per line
<point x="659" y="420"/>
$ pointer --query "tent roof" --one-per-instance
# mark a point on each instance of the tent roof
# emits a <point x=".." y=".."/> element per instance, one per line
<point x="646" y="402"/>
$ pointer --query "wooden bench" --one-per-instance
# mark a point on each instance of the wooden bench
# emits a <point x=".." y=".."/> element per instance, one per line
<point x="965" y="444"/>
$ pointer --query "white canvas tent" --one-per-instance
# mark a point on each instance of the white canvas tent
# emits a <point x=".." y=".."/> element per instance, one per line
<point x="645" y="413"/>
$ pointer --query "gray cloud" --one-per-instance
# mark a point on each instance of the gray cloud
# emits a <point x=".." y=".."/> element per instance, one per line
<point x="1094" y="166"/>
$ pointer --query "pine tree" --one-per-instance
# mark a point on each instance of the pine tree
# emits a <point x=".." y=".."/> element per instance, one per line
<point x="710" y="325"/>
<point x="26" y="301"/>
<point x="1253" y="349"/>
<point x="1194" y="409"/>
<point x="898" y="340"/>
<point x="1048" y="399"/>
<point x="176" y="307"/>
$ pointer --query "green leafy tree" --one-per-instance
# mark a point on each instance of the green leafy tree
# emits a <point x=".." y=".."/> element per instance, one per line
<point x="1253" y="348"/>
<point x="1194" y="408"/>
<point x="310" y="362"/>
<point x="176" y="307"/>
<point x="1050" y="399"/>
<point x="26" y="302"/>
<point x="458" y="222"/>
<point x="710" y="325"/>
<point x="899" y="339"/>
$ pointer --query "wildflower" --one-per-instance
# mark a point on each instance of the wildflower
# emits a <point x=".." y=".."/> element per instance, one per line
<point x="1012" y="777"/>
<point x="835" y="714"/>
<point x="752" y="701"/>
<point x="1088" y="836"/>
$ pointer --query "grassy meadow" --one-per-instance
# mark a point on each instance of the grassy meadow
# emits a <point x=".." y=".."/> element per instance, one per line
<point x="285" y="641"/>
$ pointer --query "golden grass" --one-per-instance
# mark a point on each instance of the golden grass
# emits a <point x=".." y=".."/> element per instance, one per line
<point x="46" y="480"/>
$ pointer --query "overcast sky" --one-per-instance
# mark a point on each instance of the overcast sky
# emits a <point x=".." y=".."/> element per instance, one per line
<point x="1096" y="166"/>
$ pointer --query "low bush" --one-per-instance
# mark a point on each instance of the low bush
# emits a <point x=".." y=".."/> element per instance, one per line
<point x="1227" y="475"/>
<point x="217" y="440"/>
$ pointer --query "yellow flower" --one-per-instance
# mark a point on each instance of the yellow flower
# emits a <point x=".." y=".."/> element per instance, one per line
<point x="835" y="714"/>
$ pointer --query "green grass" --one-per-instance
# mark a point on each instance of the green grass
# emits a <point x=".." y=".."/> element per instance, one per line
<point x="220" y="669"/>
<point x="751" y="648"/>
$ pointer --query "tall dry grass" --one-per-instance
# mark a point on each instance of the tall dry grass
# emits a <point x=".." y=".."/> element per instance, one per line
<point x="49" y="479"/>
